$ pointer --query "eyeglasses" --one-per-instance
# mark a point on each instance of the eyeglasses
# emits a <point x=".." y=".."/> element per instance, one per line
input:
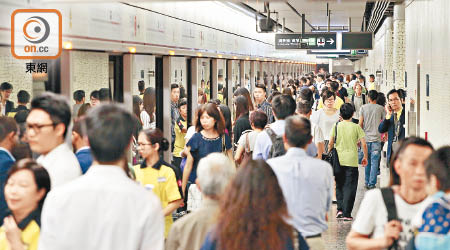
<point x="394" y="100"/>
<point x="143" y="144"/>
<point x="37" y="127"/>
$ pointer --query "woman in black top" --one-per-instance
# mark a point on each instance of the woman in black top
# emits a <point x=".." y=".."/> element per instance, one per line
<point x="242" y="121"/>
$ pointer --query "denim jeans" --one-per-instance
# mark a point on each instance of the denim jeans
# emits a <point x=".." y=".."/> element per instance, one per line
<point x="373" y="159"/>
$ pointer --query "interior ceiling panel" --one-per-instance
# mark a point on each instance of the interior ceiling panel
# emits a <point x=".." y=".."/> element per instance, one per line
<point x="316" y="12"/>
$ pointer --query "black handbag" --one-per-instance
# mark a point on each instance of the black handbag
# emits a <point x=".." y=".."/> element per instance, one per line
<point x="333" y="155"/>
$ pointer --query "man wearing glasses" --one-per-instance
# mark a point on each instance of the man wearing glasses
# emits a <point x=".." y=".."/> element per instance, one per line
<point x="394" y="123"/>
<point x="46" y="128"/>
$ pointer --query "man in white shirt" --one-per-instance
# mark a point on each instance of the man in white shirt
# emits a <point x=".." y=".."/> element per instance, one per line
<point x="371" y="229"/>
<point x="47" y="126"/>
<point x="303" y="178"/>
<point x="104" y="209"/>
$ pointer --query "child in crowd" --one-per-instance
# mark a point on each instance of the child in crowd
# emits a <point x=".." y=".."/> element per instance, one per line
<point x="435" y="227"/>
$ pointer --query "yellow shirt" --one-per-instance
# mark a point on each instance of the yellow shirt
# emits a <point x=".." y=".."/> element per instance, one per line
<point x="372" y="86"/>
<point x="30" y="237"/>
<point x="163" y="184"/>
<point x="337" y="104"/>
<point x="179" y="138"/>
<point x="220" y="97"/>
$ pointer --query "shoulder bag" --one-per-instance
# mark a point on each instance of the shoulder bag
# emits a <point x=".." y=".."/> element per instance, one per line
<point x="334" y="158"/>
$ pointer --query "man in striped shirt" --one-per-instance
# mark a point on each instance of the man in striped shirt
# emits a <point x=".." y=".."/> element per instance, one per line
<point x="260" y="101"/>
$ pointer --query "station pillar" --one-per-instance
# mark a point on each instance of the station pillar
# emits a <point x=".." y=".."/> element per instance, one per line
<point x="388" y="55"/>
<point x="399" y="45"/>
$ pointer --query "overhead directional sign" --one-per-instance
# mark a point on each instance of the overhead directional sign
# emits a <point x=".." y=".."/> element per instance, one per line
<point x="307" y="41"/>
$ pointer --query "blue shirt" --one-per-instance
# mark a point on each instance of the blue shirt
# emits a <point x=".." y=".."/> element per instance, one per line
<point x="307" y="185"/>
<point x="84" y="157"/>
<point x="263" y="144"/>
<point x="6" y="162"/>
<point x="211" y="244"/>
<point x="202" y="146"/>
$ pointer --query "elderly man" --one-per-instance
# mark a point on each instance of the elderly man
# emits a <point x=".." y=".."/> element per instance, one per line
<point x="214" y="172"/>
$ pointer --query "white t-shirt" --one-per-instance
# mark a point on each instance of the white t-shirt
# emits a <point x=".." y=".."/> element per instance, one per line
<point x="325" y="122"/>
<point x="61" y="164"/>
<point x="372" y="216"/>
<point x="316" y="132"/>
<point x="146" y="122"/>
<point x="190" y="132"/>
<point x="251" y="137"/>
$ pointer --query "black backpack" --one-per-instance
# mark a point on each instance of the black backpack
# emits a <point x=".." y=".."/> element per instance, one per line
<point x="277" y="148"/>
<point x="389" y="202"/>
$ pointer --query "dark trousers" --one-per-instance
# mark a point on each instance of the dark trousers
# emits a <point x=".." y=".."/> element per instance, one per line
<point x="176" y="161"/>
<point x="346" y="185"/>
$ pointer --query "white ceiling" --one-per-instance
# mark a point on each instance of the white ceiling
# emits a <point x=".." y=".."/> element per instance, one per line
<point x="316" y="12"/>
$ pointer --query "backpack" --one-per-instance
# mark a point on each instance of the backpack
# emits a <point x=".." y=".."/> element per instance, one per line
<point x="277" y="148"/>
<point x="389" y="202"/>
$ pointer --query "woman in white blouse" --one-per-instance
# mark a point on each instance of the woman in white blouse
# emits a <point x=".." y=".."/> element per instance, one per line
<point x="148" y="117"/>
<point x="326" y="117"/>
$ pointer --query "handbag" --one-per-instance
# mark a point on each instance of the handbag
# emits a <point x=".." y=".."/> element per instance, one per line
<point x="334" y="158"/>
<point x="247" y="154"/>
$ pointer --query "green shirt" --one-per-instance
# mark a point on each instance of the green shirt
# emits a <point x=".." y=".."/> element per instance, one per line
<point x="348" y="135"/>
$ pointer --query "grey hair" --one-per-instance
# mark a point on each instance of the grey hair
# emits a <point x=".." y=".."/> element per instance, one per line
<point x="214" y="172"/>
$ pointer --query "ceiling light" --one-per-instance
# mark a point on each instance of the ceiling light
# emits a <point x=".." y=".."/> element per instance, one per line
<point x="67" y="45"/>
<point x="132" y="49"/>
<point x="171" y="52"/>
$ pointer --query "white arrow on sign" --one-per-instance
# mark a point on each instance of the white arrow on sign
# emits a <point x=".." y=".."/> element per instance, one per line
<point x="331" y="41"/>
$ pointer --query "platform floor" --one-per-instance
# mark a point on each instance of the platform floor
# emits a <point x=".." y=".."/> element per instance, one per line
<point x="337" y="230"/>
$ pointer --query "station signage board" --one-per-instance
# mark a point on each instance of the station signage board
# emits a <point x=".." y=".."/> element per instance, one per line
<point x="357" y="40"/>
<point x="305" y="41"/>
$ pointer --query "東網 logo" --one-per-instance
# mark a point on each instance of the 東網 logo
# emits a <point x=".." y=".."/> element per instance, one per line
<point x="36" y="34"/>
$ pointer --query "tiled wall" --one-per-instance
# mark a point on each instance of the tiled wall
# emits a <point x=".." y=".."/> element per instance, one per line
<point x="13" y="70"/>
<point x="399" y="53"/>
<point x="427" y="44"/>
<point x="89" y="71"/>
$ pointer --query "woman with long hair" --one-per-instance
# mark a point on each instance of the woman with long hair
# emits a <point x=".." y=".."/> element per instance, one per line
<point x="147" y="115"/>
<point x="226" y="112"/>
<point x="253" y="213"/>
<point x="27" y="185"/>
<point x="156" y="174"/>
<point x="83" y="109"/>
<point x="210" y="137"/>
<point x="244" y="92"/>
<point x="138" y="106"/>
<point x="242" y="121"/>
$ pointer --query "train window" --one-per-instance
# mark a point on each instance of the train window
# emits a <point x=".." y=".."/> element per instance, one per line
<point x="247" y="70"/>
<point x="204" y="88"/>
<point x="144" y="86"/>
<point x="236" y="69"/>
<point x="221" y="81"/>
